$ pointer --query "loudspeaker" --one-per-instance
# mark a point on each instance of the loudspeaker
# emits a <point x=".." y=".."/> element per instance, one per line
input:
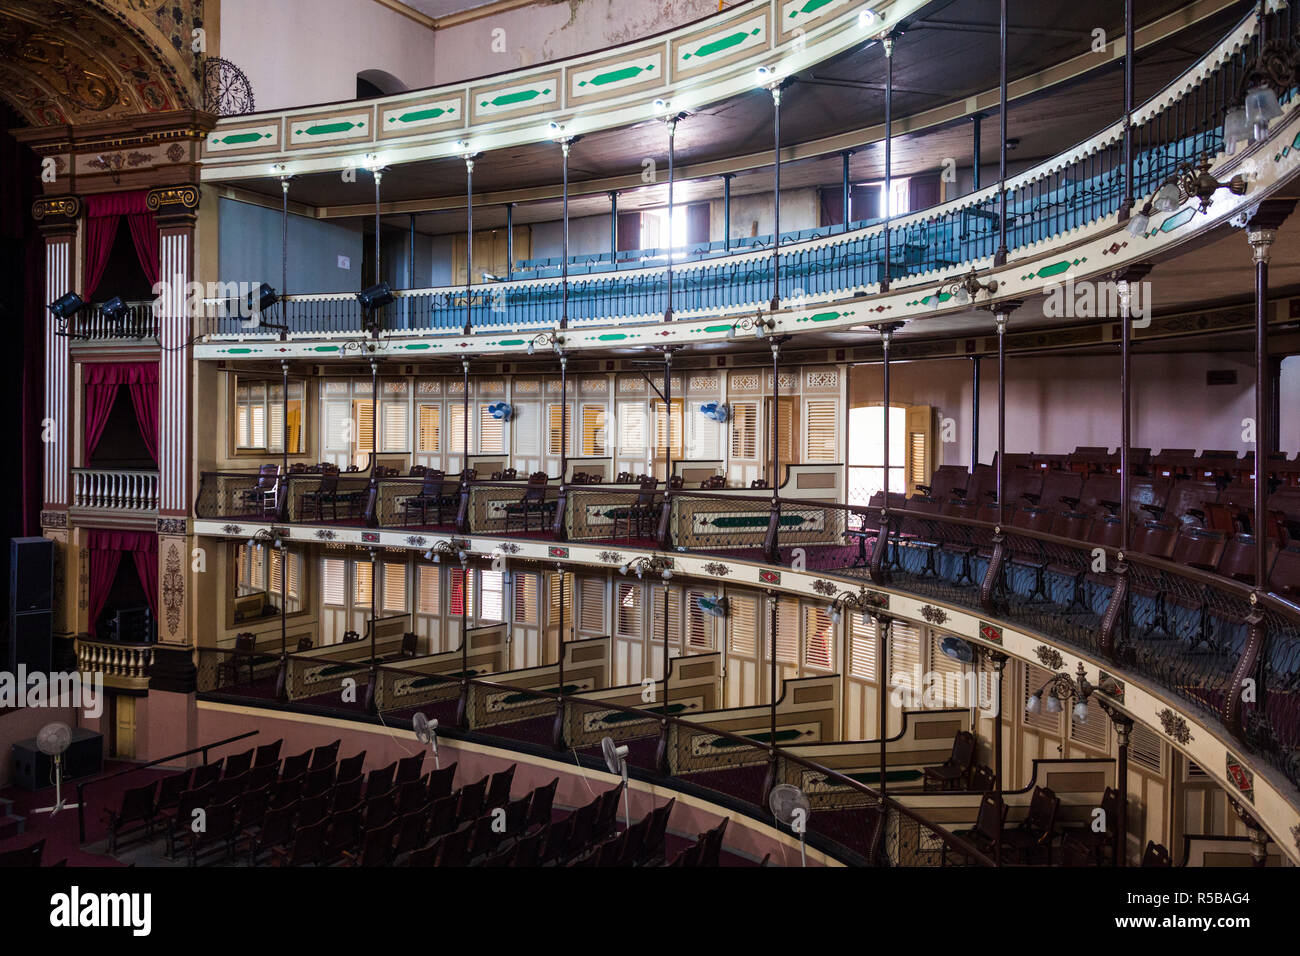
<point x="33" y="770"/>
<point x="31" y="575"/>
<point x="31" y="642"/>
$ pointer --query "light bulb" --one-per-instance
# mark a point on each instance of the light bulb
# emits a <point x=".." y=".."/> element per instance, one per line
<point x="1034" y="704"/>
<point x="1138" y="224"/>
<point x="1166" y="198"/>
<point x="1081" y="712"/>
<point x="668" y="573"/>
<point x="1262" y="108"/>
<point x="1053" y="704"/>
<point x="1236" y="129"/>
<point x="428" y="555"/>
<point x="530" y="348"/>
<point x="961" y="295"/>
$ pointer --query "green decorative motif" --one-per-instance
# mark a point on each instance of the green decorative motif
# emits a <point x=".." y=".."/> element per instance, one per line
<point x="512" y="99"/>
<point x="1180" y="218"/>
<point x="417" y="115"/>
<point x="930" y="299"/>
<point x="812" y="6"/>
<point x="324" y="129"/>
<point x="325" y="348"/>
<point x="234" y="351"/>
<point x="825" y="317"/>
<point x="616" y="76"/>
<point x="417" y="346"/>
<point x="236" y="139"/>
<point x="509" y="342"/>
<point x="1055" y="269"/>
<point x="725" y="43"/>
<point x="611" y="337"/>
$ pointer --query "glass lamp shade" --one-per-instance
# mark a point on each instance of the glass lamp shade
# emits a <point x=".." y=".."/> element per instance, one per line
<point x="1236" y="129"/>
<point x="1138" y="224"/>
<point x="1053" y="704"/>
<point x="1034" y="704"/>
<point x="1262" y="108"/>
<point x="1081" y="712"/>
<point x="961" y="295"/>
<point x="1166" y="199"/>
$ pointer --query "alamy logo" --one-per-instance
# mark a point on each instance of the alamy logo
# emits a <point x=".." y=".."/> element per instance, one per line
<point x="1098" y="300"/>
<point x="935" y="689"/>
<point x="102" y="910"/>
<point x="56" y="689"/>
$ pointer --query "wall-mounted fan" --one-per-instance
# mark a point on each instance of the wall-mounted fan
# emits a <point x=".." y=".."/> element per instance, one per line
<point x="957" y="649"/>
<point x="713" y="605"/>
<point x="426" y="732"/>
<point x="500" y="411"/>
<point x="616" y="761"/>
<point x="53" y="739"/>
<point x="716" y="411"/>
<point x="790" y="806"/>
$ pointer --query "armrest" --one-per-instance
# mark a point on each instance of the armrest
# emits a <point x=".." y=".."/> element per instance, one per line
<point x="1196" y="513"/>
<point x="1154" y="510"/>
<point x="1072" y="502"/>
<point x="1111" y="506"/>
<point x="960" y="493"/>
<point x="925" y="489"/>
<point x="1031" y="498"/>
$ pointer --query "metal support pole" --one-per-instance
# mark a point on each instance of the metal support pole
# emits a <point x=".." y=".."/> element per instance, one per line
<point x="558" y="735"/>
<point x="886" y="338"/>
<point x="726" y="211"/>
<point x="1001" y="319"/>
<point x="776" y="199"/>
<point x="469" y="242"/>
<point x="1127" y="203"/>
<point x="1260" y="242"/>
<point x="844" y="187"/>
<point x="284" y="255"/>
<point x="379" y="175"/>
<point x="613" y="227"/>
<point x="1000" y="257"/>
<point x="564" y="262"/>
<point x="776" y="418"/>
<point x="410" y="267"/>
<point x="464" y="425"/>
<point x="771" y="648"/>
<point x="672" y="151"/>
<point x="975" y="121"/>
<point x="883" y="626"/>
<point x="564" y="417"/>
<point x="668" y="419"/>
<point x="510" y="241"/>
<point x="974" y="412"/>
<point x="1123" y="729"/>
<point x="888" y="44"/>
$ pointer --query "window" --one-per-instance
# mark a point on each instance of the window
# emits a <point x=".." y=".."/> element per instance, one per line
<point x="260" y="412"/>
<point x="491" y="596"/>
<point x="699" y="629"/>
<point x="427" y="596"/>
<point x="593" y="431"/>
<point x="632" y="427"/>
<point x="429" y="435"/>
<point x="561" y="586"/>
<point x="333" y="577"/>
<point x="905" y="659"/>
<point x="628" y="617"/>
<point x="744" y="430"/>
<point x="863" y="642"/>
<point x="394" y="593"/>
<point x="396" y="427"/>
<point x="363" y="427"/>
<point x="820" y="436"/>
<point x="556" y="421"/>
<point x="295" y="564"/>
<point x="819" y="638"/>
<point x="462" y="593"/>
<point x="743" y="626"/>
<point x="867" y="451"/>
<point x="491" y="433"/>
<point x="362" y="580"/>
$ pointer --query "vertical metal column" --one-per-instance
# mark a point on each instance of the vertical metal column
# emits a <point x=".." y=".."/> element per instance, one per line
<point x="974" y="412"/>
<point x="469" y="241"/>
<point x="1000" y="257"/>
<point x="888" y="43"/>
<point x="564" y="262"/>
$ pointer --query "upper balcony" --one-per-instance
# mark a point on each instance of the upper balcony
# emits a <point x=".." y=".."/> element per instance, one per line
<point x="1062" y="217"/>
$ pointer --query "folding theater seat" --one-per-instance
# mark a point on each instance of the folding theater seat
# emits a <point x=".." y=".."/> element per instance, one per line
<point x="1060" y="488"/>
<point x="1239" y="557"/>
<point x="1187" y="501"/>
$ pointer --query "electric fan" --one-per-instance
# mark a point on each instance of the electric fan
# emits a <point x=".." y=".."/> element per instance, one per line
<point x="790" y="806"/>
<point x="616" y="761"/>
<point x="426" y="732"/>
<point x="53" y="739"/>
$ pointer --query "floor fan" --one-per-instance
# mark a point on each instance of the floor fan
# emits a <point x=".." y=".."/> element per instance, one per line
<point x="616" y="761"/>
<point x="53" y="739"/>
<point x="790" y="806"/>
<point x="426" y="731"/>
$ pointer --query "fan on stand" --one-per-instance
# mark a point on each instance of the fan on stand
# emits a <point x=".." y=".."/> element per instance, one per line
<point x="616" y="761"/>
<point x="790" y="806"/>
<point x="426" y="732"/>
<point x="53" y="739"/>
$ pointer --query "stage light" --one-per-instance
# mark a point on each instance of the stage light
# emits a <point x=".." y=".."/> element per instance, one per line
<point x="375" y="297"/>
<point x="114" y="310"/>
<point x="63" y="309"/>
<point x="261" y="299"/>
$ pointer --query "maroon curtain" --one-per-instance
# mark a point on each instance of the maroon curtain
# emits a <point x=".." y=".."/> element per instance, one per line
<point x="102" y="217"/>
<point x="102" y="380"/>
<point x="106" y="549"/>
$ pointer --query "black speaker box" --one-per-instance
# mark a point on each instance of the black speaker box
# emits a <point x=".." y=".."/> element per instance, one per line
<point x="31" y="642"/>
<point x="31" y="575"/>
<point x="33" y="769"/>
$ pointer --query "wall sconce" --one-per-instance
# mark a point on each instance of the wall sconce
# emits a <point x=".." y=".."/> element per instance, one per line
<point x="550" y="339"/>
<point x="658" y="564"/>
<point x="454" y="546"/>
<point x="760" y="326"/>
<point x="863" y="601"/>
<point x="964" y="289"/>
<point x="1062" y="687"/>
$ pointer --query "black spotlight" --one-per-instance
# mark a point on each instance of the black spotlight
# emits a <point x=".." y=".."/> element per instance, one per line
<point x="115" y="310"/>
<point x="261" y="299"/>
<point x="63" y="309"/>
<point x="376" y="297"/>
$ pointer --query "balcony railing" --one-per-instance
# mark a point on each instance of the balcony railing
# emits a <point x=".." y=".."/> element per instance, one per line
<point x="1197" y="634"/>
<point x="115" y="489"/>
<point x="140" y="322"/>
<point x="1074" y="189"/>
<point x="123" y="665"/>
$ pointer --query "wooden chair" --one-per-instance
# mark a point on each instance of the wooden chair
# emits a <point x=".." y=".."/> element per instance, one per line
<point x="982" y="779"/>
<point x="264" y="496"/>
<point x="1083" y="845"/>
<point x="640" y="511"/>
<point x="533" y="502"/>
<point x="1038" y="829"/>
<point x="429" y="495"/>
<point x="713" y="482"/>
<point x="1156" y="855"/>
<point x="327" y="494"/>
<point x="987" y="832"/>
<point x="244" y="655"/>
<point x="954" y="772"/>
<point x="136" y="813"/>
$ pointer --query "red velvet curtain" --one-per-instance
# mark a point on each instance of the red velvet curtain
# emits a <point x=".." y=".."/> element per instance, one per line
<point x="106" y="549"/>
<point x="102" y="380"/>
<point x="102" y="216"/>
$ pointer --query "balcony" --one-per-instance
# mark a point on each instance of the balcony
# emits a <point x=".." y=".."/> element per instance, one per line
<point x="139" y="324"/>
<point x="124" y="666"/>
<point x="129" y="491"/>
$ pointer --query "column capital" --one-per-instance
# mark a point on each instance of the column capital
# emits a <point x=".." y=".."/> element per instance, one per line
<point x="56" y="213"/>
<point x="1131" y="273"/>
<point x="174" y="205"/>
<point x="1002" y="310"/>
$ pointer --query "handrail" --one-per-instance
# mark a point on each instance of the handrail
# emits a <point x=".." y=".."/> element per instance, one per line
<point x="203" y="748"/>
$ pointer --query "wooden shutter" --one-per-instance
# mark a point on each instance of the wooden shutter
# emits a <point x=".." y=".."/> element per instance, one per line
<point x="429" y="438"/>
<point x="525" y="597"/>
<point x="819" y="638"/>
<point x="785" y="431"/>
<point x="631" y="425"/>
<point x="821" y="431"/>
<point x="919" y="447"/>
<point x="661" y="429"/>
<point x="1145" y="748"/>
<point x="338" y="427"/>
<point x="592" y="611"/>
<point x="363" y="415"/>
<point x="275" y="433"/>
<point x="593" y="431"/>
<point x="1035" y="677"/>
<point x="952" y="692"/>
<point x="462" y="593"/>
<point x="396" y="426"/>
<point x="243" y="426"/>
<point x="787" y="631"/>
<point x="362" y="574"/>
<point x="333" y="582"/>
<point x="905" y="656"/>
<point x="742" y="626"/>
<point x="555" y="420"/>
<point x="428" y="596"/>
<point x="455" y="428"/>
<point x="699" y="629"/>
<point x="491" y="596"/>
<point x="674" y="615"/>
<point x="563" y="584"/>
<point x="744" y="430"/>
<point x="1091" y="733"/>
<point x="627" y="618"/>
<point x="394" y="591"/>
<point x="491" y="433"/>
<point x="863" y="642"/>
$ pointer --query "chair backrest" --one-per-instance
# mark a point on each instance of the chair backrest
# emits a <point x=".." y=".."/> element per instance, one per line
<point x="266" y="477"/>
<point x="963" y="749"/>
<point x="992" y="814"/>
<point x="432" y="483"/>
<point x="1285" y="575"/>
<point x="351" y="637"/>
<point x="245" y="644"/>
<point x="1156" y="855"/>
<point x="329" y="482"/>
<point x="1042" y="808"/>
<point x="409" y="642"/>
<point x="305" y="643"/>
<point x="982" y="779"/>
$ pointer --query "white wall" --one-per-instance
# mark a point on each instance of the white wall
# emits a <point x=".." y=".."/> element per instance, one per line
<point x="1057" y="403"/>
<point x="251" y="247"/>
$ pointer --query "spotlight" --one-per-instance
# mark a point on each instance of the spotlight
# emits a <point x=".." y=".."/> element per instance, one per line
<point x="114" y="310"/>
<point x="261" y="299"/>
<point x="63" y="309"/>
<point x="375" y="297"/>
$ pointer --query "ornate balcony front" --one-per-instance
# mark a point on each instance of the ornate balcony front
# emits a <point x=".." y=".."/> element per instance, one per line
<point x="124" y="666"/>
<point x="129" y="491"/>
